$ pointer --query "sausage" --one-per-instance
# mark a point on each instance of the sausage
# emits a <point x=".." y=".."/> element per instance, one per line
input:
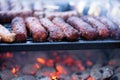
<point x="55" y="32"/>
<point x="64" y="15"/>
<point x="86" y="31"/>
<point x="37" y="31"/>
<point x="70" y="33"/>
<point x="6" y="35"/>
<point x="7" y="16"/>
<point x="19" y="28"/>
<point x="109" y="24"/>
<point x="102" y="30"/>
<point x="116" y="21"/>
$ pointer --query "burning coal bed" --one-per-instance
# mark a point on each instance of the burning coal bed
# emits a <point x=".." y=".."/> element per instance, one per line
<point x="60" y="65"/>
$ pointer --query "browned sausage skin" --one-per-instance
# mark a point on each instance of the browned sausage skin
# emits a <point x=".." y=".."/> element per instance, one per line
<point x="102" y="30"/>
<point x="70" y="33"/>
<point x="37" y="31"/>
<point x="85" y="29"/>
<point x="55" y="32"/>
<point x="110" y="25"/>
<point x="19" y="28"/>
<point x="64" y="15"/>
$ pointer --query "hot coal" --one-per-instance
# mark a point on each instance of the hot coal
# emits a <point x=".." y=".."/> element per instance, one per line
<point x="61" y="65"/>
<point x="45" y="72"/>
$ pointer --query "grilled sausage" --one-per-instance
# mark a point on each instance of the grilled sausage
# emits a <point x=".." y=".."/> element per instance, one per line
<point x="109" y="24"/>
<point x="63" y="15"/>
<point x="37" y="31"/>
<point x="70" y="33"/>
<point x="7" y="16"/>
<point x="55" y="32"/>
<point x="116" y="21"/>
<point x="85" y="29"/>
<point x="6" y="35"/>
<point x="102" y="30"/>
<point x="19" y="28"/>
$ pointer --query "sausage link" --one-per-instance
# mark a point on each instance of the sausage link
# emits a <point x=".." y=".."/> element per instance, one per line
<point x="64" y="15"/>
<point x="19" y="28"/>
<point x="37" y="31"/>
<point x="85" y="29"/>
<point x="70" y="33"/>
<point x="102" y="30"/>
<point x="110" y="25"/>
<point x="55" y="32"/>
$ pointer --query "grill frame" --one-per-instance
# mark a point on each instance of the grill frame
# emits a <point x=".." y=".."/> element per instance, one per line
<point x="78" y="45"/>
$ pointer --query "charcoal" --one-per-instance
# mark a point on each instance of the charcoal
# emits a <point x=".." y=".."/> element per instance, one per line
<point x="45" y="72"/>
<point x="6" y="75"/>
<point x="43" y="78"/>
<point x="25" y="77"/>
<point x="80" y="75"/>
<point x="29" y="69"/>
<point x="63" y="77"/>
<point x="96" y="74"/>
<point x="117" y="70"/>
<point x="101" y="73"/>
<point x="107" y="72"/>
<point x="114" y="62"/>
<point x="116" y="77"/>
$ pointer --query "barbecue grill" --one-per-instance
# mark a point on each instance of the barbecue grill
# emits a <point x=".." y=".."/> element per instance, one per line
<point x="60" y="60"/>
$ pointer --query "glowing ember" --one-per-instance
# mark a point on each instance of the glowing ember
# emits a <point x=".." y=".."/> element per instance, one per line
<point x="54" y="75"/>
<point x="89" y="63"/>
<point x="69" y="61"/>
<point x="54" y="78"/>
<point x="8" y="55"/>
<point x="41" y="60"/>
<point x="56" y="66"/>
<point x="50" y="63"/>
<point x="61" y="70"/>
<point x="90" y="78"/>
<point x="13" y="70"/>
<point x="36" y="66"/>
<point x="80" y="66"/>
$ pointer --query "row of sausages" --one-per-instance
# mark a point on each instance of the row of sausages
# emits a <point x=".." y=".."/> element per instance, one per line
<point x="58" y="29"/>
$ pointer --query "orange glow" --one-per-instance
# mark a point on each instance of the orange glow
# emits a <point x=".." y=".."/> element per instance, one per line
<point x="53" y="78"/>
<point x="113" y="62"/>
<point x="36" y="66"/>
<point x="89" y="63"/>
<point x="50" y="63"/>
<point x="90" y="78"/>
<point x="41" y="60"/>
<point x="14" y="70"/>
<point x="69" y="61"/>
<point x="8" y="55"/>
<point x="61" y="70"/>
<point x="79" y="65"/>
<point x="54" y="75"/>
